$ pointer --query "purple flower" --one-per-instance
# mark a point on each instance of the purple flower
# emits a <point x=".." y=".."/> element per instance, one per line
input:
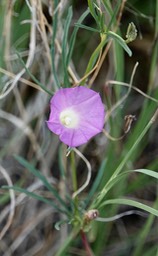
<point x="77" y="114"/>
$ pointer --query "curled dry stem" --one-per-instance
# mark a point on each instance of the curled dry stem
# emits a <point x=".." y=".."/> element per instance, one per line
<point x="108" y="114"/>
<point x="89" y="173"/>
<point x="120" y="215"/>
<point x="111" y="82"/>
<point x="125" y="96"/>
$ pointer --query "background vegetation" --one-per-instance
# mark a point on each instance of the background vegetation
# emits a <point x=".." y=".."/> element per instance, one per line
<point x="45" y="45"/>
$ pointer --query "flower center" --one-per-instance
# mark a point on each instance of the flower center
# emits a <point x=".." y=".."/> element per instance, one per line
<point x="69" y="118"/>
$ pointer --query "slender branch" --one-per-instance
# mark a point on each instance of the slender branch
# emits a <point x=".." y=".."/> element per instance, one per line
<point x="12" y="203"/>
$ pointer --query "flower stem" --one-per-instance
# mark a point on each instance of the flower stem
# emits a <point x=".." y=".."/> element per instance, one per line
<point x="68" y="241"/>
<point x="86" y="244"/>
<point x="74" y="181"/>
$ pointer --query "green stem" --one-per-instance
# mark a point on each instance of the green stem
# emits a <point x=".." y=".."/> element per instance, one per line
<point x="68" y="241"/>
<point x="86" y="244"/>
<point x="74" y="181"/>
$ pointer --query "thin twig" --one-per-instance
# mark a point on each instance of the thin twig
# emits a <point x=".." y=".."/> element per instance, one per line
<point x="99" y="64"/>
<point x="12" y="203"/>
<point x="42" y="29"/>
<point x="125" y="96"/>
<point x="112" y="82"/>
<point x="23" y="80"/>
<point x="108" y="114"/>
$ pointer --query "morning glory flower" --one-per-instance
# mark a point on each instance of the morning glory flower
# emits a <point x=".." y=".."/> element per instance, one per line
<point x="76" y="115"/>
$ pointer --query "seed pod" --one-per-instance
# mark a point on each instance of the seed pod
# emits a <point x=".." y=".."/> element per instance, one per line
<point x="91" y="215"/>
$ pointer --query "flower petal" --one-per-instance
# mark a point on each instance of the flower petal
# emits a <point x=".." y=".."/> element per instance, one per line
<point x="73" y="137"/>
<point x="77" y="114"/>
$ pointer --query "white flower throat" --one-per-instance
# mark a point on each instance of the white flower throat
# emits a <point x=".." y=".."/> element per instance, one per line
<point x="69" y="118"/>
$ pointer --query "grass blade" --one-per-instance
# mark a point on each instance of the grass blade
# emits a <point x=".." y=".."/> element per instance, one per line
<point x="92" y="10"/>
<point x="37" y="173"/>
<point x="65" y="46"/>
<point x="74" y="34"/>
<point x="86" y="27"/>
<point x="53" y="54"/>
<point x="33" y="195"/>
<point x="123" y="175"/>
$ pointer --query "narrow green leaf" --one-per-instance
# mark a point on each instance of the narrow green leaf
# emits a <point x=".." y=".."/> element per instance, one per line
<point x="123" y="175"/>
<point x="74" y="34"/>
<point x="92" y="10"/>
<point x="86" y="27"/>
<point x="65" y="45"/>
<point x="33" y="195"/>
<point x="147" y="172"/>
<point x="38" y="174"/>
<point x="120" y="74"/>
<point x="131" y="202"/>
<point x="112" y="12"/>
<point x="60" y="223"/>
<point x="121" y="41"/>
<point x="54" y="28"/>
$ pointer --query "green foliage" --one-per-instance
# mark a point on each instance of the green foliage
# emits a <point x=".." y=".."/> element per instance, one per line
<point x="45" y="182"/>
<point x="33" y="195"/>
